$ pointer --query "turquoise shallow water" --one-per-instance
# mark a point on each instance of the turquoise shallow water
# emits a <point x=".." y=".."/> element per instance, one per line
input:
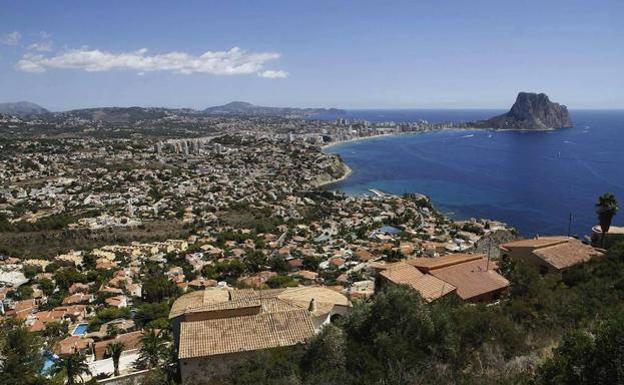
<point x="531" y="180"/>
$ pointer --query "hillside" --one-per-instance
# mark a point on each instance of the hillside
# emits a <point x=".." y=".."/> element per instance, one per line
<point x="248" y="109"/>
<point x="21" y="109"/>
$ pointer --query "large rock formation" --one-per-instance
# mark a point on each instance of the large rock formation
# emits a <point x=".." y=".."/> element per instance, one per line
<point x="531" y="111"/>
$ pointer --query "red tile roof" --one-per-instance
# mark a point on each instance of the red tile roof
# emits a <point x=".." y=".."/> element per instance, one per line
<point x="472" y="279"/>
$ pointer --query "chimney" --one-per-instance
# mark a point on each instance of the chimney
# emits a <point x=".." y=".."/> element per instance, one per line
<point x="312" y="306"/>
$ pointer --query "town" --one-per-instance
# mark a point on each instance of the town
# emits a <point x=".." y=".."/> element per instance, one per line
<point x="134" y="254"/>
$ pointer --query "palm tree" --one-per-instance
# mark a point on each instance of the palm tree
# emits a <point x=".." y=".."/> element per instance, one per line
<point x="74" y="366"/>
<point x="153" y="349"/>
<point x="114" y="350"/>
<point x="606" y="208"/>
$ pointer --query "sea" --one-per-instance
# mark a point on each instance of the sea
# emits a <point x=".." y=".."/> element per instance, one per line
<point x="540" y="182"/>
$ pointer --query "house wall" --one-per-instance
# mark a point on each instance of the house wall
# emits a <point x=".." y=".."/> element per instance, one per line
<point x="526" y="254"/>
<point x="226" y="313"/>
<point x="337" y="311"/>
<point x="135" y="378"/>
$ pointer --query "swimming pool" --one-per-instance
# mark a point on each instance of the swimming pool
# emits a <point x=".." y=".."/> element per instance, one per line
<point x="48" y="361"/>
<point x="80" y="330"/>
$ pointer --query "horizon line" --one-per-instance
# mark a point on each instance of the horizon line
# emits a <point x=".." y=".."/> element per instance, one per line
<point x="307" y="107"/>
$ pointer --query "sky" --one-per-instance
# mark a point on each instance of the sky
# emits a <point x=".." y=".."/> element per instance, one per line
<point x="322" y="53"/>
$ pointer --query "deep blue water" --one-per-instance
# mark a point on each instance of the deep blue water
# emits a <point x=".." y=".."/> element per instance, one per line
<point x="530" y="180"/>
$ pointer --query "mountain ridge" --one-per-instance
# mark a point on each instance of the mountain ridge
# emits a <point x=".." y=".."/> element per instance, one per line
<point x="22" y="109"/>
<point x="249" y="109"/>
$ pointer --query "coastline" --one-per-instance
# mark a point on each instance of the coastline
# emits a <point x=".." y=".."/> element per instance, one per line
<point x="353" y="140"/>
<point x="348" y="172"/>
<point x="362" y="138"/>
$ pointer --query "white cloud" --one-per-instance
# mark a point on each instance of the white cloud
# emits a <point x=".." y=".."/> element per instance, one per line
<point x="270" y="74"/>
<point x="233" y="62"/>
<point x="12" y="38"/>
<point x="42" y="46"/>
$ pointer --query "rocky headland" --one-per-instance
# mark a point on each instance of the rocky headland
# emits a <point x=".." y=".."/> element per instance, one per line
<point x="531" y="111"/>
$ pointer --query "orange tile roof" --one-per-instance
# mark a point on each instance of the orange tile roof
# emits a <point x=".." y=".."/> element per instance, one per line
<point x="364" y="255"/>
<point x="402" y="272"/>
<point x="77" y="298"/>
<point x="70" y="344"/>
<point x="247" y="333"/>
<point x="536" y="242"/>
<point x="130" y="341"/>
<point x="429" y="287"/>
<point x="567" y="254"/>
<point x="427" y="264"/>
<point x="472" y="279"/>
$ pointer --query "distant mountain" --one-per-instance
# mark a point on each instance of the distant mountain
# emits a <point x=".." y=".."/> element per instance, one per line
<point x="115" y="114"/>
<point x="531" y="111"/>
<point x="248" y="109"/>
<point x="21" y="109"/>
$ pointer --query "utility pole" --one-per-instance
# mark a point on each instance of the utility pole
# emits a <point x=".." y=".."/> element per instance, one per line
<point x="487" y="266"/>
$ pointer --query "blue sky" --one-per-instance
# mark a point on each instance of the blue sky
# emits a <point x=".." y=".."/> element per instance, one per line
<point x="351" y="54"/>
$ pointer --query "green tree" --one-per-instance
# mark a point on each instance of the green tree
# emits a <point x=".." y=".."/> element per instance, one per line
<point x="269" y="367"/>
<point x="394" y="255"/>
<point x="279" y="281"/>
<point x="606" y="208"/>
<point x="224" y="270"/>
<point x="114" y="351"/>
<point x="583" y="359"/>
<point x="324" y="360"/>
<point x="54" y="331"/>
<point x="255" y="261"/>
<point x="608" y="361"/>
<point x="311" y="262"/>
<point x="46" y="285"/>
<point x="67" y="276"/>
<point x="150" y="312"/>
<point x="31" y="270"/>
<point x="112" y="330"/>
<point x="153" y="349"/>
<point x="20" y="352"/>
<point x="24" y="292"/>
<point x="74" y="367"/>
<point x="156" y="288"/>
<point x="279" y="264"/>
<point x="393" y="337"/>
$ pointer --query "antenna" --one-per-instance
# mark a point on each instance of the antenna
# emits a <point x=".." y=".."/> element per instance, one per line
<point x="570" y="224"/>
<point x="487" y="266"/>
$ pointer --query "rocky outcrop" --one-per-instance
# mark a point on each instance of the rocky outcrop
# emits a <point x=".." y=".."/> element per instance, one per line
<point x="335" y="172"/>
<point x="531" y="111"/>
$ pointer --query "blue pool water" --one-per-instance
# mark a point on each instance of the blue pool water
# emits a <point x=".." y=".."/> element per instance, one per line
<point x="48" y="361"/>
<point x="531" y="180"/>
<point x="80" y="330"/>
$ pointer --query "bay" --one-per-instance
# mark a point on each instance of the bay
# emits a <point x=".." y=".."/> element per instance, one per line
<point x="530" y="180"/>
